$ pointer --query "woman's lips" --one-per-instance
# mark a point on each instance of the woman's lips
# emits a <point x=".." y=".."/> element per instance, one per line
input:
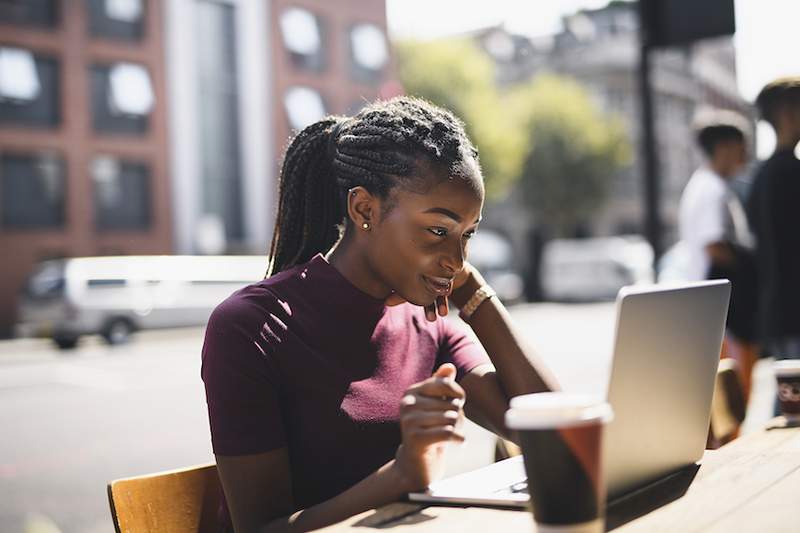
<point x="438" y="286"/>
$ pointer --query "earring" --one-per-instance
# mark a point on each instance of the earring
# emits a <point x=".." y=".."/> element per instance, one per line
<point x="365" y="225"/>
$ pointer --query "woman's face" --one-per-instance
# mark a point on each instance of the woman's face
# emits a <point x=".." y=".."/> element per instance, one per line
<point x="420" y="244"/>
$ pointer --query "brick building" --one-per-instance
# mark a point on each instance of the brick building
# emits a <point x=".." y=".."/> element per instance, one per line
<point x="154" y="126"/>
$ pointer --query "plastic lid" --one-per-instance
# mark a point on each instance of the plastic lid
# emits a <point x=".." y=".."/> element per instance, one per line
<point x="787" y="367"/>
<point x="544" y="410"/>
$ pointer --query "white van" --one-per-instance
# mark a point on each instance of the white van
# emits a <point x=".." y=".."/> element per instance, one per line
<point x="117" y="295"/>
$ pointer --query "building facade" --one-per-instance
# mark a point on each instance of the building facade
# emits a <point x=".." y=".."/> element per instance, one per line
<point x="599" y="48"/>
<point x="155" y="126"/>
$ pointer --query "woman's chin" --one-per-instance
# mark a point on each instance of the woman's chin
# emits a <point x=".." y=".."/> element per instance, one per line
<point x="421" y="300"/>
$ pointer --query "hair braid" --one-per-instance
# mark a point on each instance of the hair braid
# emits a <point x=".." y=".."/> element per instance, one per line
<point x="377" y="149"/>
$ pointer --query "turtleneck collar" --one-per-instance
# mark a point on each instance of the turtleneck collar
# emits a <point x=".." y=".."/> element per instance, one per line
<point x="336" y="292"/>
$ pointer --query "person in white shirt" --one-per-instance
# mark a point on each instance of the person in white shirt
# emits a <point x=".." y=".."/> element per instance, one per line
<point x="710" y="215"/>
<point x="714" y="232"/>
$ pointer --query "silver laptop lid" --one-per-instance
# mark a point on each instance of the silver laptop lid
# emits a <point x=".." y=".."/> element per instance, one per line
<point x="666" y="353"/>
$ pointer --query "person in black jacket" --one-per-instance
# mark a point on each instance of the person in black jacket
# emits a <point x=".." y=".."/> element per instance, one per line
<point x="774" y="213"/>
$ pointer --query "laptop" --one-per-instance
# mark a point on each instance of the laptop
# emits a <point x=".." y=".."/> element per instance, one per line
<point x="666" y="352"/>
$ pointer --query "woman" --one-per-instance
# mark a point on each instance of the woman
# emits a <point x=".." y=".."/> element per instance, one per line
<point x="333" y="384"/>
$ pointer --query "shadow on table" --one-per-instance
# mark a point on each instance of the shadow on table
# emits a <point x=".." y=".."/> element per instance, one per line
<point x="650" y="497"/>
<point x="394" y="515"/>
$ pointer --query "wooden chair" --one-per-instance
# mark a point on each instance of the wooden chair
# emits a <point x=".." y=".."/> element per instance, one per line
<point x="177" y="501"/>
<point x="728" y="405"/>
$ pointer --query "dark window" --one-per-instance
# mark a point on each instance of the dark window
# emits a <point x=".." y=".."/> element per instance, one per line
<point x="29" y="92"/>
<point x="42" y="13"/>
<point x="108" y="283"/>
<point x="218" y="116"/>
<point x="46" y="281"/>
<point x="31" y="191"/>
<point x="368" y="52"/>
<point x="121" y="194"/>
<point x="116" y="19"/>
<point x="122" y="98"/>
<point x="303" y="37"/>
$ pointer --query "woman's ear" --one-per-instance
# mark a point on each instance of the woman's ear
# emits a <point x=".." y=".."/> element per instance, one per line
<point x="362" y="207"/>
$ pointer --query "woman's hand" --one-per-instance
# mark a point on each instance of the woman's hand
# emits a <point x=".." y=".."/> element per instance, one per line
<point x="430" y="416"/>
<point x="463" y="281"/>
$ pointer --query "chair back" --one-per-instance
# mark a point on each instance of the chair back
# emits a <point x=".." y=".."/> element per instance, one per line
<point x="177" y="501"/>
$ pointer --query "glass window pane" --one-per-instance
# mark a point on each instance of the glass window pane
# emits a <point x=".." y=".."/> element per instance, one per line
<point x="29" y="92"/>
<point x="31" y="191"/>
<point x="121" y="194"/>
<point x="303" y="37"/>
<point x="368" y="52"/>
<point x="120" y="104"/>
<point x="369" y="46"/>
<point x="116" y="19"/>
<point x="42" y="13"/>
<point x="300" y="31"/>
<point x="304" y="106"/>
<point x="131" y="92"/>
<point x="18" y="79"/>
<point x="218" y="116"/>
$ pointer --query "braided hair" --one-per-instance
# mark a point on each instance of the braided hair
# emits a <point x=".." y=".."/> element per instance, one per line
<point x="378" y="149"/>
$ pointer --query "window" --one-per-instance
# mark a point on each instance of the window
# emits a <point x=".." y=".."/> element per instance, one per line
<point x="303" y="36"/>
<point x="218" y="118"/>
<point x="304" y="106"/>
<point x="42" y="13"/>
<point x="28" y="88"/>
<point x="116" y="19"/>
<point x="368" y="51"/>
<point x="106" y="283"/>
<point x="122" y="98"/>
<point x="31" y="191"/>
<point x="121" y="194"/>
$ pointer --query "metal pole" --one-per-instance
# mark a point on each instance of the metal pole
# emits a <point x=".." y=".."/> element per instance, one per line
<point x="652" y="221"/>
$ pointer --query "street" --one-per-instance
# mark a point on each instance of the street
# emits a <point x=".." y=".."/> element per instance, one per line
<point x="72" y="421"/>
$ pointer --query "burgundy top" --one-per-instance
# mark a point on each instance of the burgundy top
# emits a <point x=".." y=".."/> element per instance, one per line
<point x="307" y="361"/>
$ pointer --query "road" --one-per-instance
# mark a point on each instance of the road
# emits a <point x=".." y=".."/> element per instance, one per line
<point x="72" y="421"/>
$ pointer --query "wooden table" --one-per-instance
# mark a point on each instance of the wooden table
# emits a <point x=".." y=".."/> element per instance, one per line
<point x="751" y="484"/>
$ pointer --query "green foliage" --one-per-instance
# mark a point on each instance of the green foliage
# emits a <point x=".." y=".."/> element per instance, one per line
<point x="573" y="153"/>
<point x="546" y="133"/>
<point x="457" y="75"/>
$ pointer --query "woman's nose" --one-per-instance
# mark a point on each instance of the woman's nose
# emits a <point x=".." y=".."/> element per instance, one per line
<point x="453" y="260"/>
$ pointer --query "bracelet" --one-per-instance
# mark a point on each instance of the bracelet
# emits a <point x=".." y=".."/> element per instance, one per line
<point x="484" y="292"/>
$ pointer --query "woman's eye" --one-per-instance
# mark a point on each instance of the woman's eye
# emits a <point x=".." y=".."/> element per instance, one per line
<point x="468" y="235"/>
<point x="439" y="232"/>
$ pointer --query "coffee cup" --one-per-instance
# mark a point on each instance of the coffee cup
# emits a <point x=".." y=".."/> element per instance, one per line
<point x="561" y="436"/>
<point x="787" y="372"/>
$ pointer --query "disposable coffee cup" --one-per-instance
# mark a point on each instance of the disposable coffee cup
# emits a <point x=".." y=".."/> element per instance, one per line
<point x="561" y="435"/>
<point x="787" y="372"/>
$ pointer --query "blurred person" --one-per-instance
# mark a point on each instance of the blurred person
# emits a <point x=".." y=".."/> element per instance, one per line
<point x="713" y="227"/>
<point x="334" y="384"/>
<point x="774" y="212"/>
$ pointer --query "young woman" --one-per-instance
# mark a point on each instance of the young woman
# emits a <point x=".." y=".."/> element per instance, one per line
<point x="333" y="384"/>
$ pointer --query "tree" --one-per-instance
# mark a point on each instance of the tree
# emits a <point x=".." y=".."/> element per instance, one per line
<point x="573" y="152"/>
<point x="457" y="75"/>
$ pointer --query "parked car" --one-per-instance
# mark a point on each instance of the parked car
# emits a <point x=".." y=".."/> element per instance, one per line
<point x="595" y="268"/>
<point x="115" y="296"/>
<point x="492" y="254"/>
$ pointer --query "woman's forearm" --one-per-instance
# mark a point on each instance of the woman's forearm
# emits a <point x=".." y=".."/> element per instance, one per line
<point x="384" y="486"/>
<point x="519" y="371"/>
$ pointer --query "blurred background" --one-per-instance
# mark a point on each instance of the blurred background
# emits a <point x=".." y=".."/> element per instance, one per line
<point x="156" y="127"/>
